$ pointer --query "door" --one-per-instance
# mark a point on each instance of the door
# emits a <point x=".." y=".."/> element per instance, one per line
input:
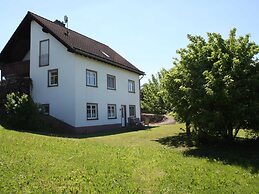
<point x="123" y="115"/>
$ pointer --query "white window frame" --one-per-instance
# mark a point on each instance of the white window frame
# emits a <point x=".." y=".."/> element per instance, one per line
<point x="92" y="109"/>
<point x="91" y="78"/>
<point x="132" y="106"/>
<point x="52" y="79"/>
<point x="43" y="57"/>
<point x="111" y="111"/>
<point x="131" y="86"/>
<point x="111" y="77"/>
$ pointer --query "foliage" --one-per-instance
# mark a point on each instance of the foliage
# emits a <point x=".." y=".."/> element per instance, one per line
<point x="123" y="163"/>
<point x="21" y="112"/>
<point x="214" y="84"/>
<point x="8" y="86"/>
<point x="153" y="95"/>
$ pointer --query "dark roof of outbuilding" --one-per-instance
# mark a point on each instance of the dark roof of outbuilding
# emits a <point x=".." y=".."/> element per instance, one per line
<point x="73" y="41"/>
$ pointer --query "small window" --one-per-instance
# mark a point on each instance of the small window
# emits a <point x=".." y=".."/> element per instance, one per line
<point x="111" y="82"/>
<point x="44" y="53"/>
<point x="91" y="78"/>
<point x="44" y="109"/>
<point x="53" y="77"/>
<point x="131" y="86"/>
<point x="92" y="111"/>
<point x="132" y="110"/>
<point x="112" y="113"/>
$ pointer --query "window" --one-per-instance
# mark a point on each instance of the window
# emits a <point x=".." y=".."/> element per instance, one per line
<point x="131" y="86"/>
<point x="132" y="110"/>
<point x="92" y="111"/>
<point x="53" y="78"/>
<point x="111" y="82"/>
<point x="91" y="78"/>
<point x="44" y="53"/>
<point x="44" y="109"/>
<point x="112" y="111"/>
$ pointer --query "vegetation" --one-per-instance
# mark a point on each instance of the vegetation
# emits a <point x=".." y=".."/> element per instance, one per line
<point x="154" y="96"/>
<point x="148" y="161"/>
<point x="21" y="112"/>
<point x="214" y="85"/>
<point x="21" y="85"/>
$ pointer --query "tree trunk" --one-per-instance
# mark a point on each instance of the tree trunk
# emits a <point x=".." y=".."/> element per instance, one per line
<point x="188" y="128"/>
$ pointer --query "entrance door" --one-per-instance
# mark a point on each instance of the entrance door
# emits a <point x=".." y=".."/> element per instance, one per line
<point x="123" y="115"/>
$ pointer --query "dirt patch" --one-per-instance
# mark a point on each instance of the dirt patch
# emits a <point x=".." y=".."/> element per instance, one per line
<point x="156" y="120"/>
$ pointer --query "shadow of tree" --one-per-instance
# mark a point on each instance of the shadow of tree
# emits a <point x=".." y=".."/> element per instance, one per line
<point x="242" y="152"/>
<point x="179" y="140"/>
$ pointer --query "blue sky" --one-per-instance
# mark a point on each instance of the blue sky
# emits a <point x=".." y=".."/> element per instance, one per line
<point x="147" y="33"/>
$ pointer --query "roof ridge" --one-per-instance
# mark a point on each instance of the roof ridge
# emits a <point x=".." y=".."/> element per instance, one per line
<point x="76" y="43"/>
<point x="29" y="12"/>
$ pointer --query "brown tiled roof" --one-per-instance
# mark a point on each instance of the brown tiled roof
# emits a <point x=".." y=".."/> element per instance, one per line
<point x="80" y="44"/>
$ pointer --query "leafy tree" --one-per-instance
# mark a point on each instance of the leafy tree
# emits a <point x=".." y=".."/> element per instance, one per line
<point x="153" y="95"/>
<point x="214" y="84"/>
<point x="21" y="112"/>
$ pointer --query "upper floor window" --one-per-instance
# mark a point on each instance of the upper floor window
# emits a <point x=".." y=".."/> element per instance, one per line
<point x="131" y="86"/>
<point x="53" y="78"/>
<point x="92" y="111"/>
<point x="112" y="111"/>
<point x="91" y="78"/>
<point x="44" y="53"/>
<point x="132" y="110"/>
<point x="111" y="82"/>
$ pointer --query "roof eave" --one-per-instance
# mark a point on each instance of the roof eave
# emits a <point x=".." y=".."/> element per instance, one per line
<point x="90" y="55"/>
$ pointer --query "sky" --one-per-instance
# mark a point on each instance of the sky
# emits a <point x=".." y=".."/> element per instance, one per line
<point x="146" y="32"/>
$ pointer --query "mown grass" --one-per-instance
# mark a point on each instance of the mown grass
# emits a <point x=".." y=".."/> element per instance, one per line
<point x="144" y="161"/>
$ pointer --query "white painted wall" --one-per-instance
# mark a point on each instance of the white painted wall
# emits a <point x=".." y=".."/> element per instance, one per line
<point x="68" y="100"/>
<point x="101" y="95"/>
<point x="60" y="98"/>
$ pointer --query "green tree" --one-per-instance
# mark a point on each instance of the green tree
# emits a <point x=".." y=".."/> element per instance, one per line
<point x="21" y="112"/>
<point x="153" y="95"/>
<point x="214" y="84"/>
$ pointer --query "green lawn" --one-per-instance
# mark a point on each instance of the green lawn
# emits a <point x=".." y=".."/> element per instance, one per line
<point x="146" y="161"/>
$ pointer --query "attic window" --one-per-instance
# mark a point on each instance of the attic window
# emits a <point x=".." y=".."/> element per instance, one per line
<point x="105" y="54"/>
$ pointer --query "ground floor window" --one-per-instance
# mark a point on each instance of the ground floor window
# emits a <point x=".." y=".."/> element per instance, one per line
<point x="132" y="110"/>
<point x="44" y="109"/>
<point x="92" y="111"/>
<point x="112" y="114"/>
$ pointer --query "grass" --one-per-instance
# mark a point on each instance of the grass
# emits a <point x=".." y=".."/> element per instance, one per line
<point x="147" y="161"/>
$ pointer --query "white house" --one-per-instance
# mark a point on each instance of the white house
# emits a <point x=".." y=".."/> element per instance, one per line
<point x="78" y="80"/>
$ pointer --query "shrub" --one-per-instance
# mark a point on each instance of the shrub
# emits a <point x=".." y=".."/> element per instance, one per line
<point x="21" y="112"/>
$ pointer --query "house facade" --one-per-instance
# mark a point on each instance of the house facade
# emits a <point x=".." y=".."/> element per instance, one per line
<point x="77" y="80"/>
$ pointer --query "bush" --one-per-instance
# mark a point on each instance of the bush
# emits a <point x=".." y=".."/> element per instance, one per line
<point x="21" y="112"/>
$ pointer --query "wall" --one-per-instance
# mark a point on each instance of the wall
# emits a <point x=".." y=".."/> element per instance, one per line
<point x="60" y="98"/>
<point x="101" y="95"/>
<point x="68" y="100"/>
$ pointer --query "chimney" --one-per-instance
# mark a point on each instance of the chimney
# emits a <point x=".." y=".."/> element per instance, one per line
<point x="59" y="23"/>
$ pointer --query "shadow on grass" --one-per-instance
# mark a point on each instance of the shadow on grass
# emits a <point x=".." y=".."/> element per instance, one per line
<point x="242" y="152"/>
<point x="59" y="133"/>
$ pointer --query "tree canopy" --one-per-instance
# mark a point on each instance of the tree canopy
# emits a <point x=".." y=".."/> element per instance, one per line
<point x="153" y="95"/>
<point x="214" y="84"/>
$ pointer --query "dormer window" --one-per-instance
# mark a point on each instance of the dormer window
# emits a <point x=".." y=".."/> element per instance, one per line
<point x="44" y="53"/>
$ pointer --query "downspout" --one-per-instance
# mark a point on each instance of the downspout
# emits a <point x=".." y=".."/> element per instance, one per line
<point x="140" y="96"/>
